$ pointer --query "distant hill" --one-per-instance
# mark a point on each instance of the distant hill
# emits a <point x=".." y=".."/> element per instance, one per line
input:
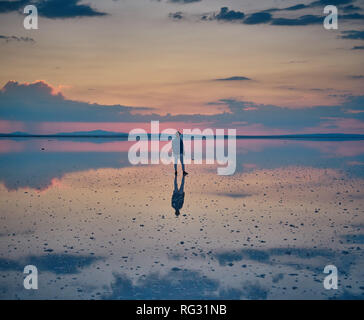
<point x="93" y="133"/>
<point x="323" y="136"/>
<point x="17" y="133"/>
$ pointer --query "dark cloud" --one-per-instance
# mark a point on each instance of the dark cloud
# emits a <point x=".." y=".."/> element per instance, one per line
<point x="258" y="17"/>
<point x="17" y="39"/>
<point x="291" y="8"/>
<point x="322" y="3"/>
<point x="300" y="21"/>
<point x="53" y="9"/>
<point x="353" y="34"/>
<point x="66" y="9"/>
<point x="357" y="48"/>
<point x="38" y="102"/>
<point x="10" y="6"/>
<point x="296" y="7"/>
<point x="265" y="16"/>
<point x="356" y="77"/>
<point x="229" y="15"/>
<point x="235" y="78"/>
<point x="305" y="20"/>
<point x="331" y="2"/>
<point x="342" y="4"/>
<point x="176" y="15"/>
<point x="350" y="8"/>
<point x="352" y="16"/>
<point x="286" y="118"/>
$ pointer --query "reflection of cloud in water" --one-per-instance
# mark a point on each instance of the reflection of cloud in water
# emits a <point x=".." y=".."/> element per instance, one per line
<point x="346" y="295"/>
<point x="233" y="195"/>
<point x="317" y="154"/>
<point x="271" y="228"/>
<point x="36" y="169"/>
<point x="55" y="263"/>
<point x="264" y="255"/>
<point x="180" y="284"/>
<point x="296" y="258"/>
<point x="354" y="238"/>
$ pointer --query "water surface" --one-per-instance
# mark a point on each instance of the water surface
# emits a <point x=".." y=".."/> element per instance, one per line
<point x="97" y="227"/>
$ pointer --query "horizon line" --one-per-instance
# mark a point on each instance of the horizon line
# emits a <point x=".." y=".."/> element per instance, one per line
<point x="343" y="136"/>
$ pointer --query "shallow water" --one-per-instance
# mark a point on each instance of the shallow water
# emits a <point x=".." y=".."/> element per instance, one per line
<point x="97" y="227"/>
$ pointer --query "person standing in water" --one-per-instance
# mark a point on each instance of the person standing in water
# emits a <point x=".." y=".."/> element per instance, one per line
<point x="178" y="152"/>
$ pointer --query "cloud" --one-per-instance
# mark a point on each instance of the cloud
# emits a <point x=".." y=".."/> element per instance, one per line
<point x="285" y="118"/>
<point x="320" y="3"/>
<point x="176" y="15"/>
<point x="350" y="8"/>
<point x="352" y="16"/>
<point x="53" y="9"/>
<point x="15" y="38"/>
<point x="356" y="77"/>
<point x="300" y="21"/>
<point x="295" y="7"/>
<point x="258" y="17"/>
<point x="311" y="20"/>
<point x="38" y="101"/>
<point x="353" y="34"/>
<point x="357" y="48"/>
<point x="291" y="8"/>
<point x="331" y="2"/>
<point x="229" y="15"/>
<point x="305" y="20"/>
<point x="10" y="6"/>
<point x="66" y="9"/>
<point x="235" y="78"/>
<point x="265" y="16"/>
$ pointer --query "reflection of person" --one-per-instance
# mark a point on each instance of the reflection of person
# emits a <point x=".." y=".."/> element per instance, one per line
<point x="178" y="152"/>
<point x="178" y="196"/>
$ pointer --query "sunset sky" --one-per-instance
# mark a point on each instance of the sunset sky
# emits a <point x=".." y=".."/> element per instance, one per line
<point x="263" y="67"/>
